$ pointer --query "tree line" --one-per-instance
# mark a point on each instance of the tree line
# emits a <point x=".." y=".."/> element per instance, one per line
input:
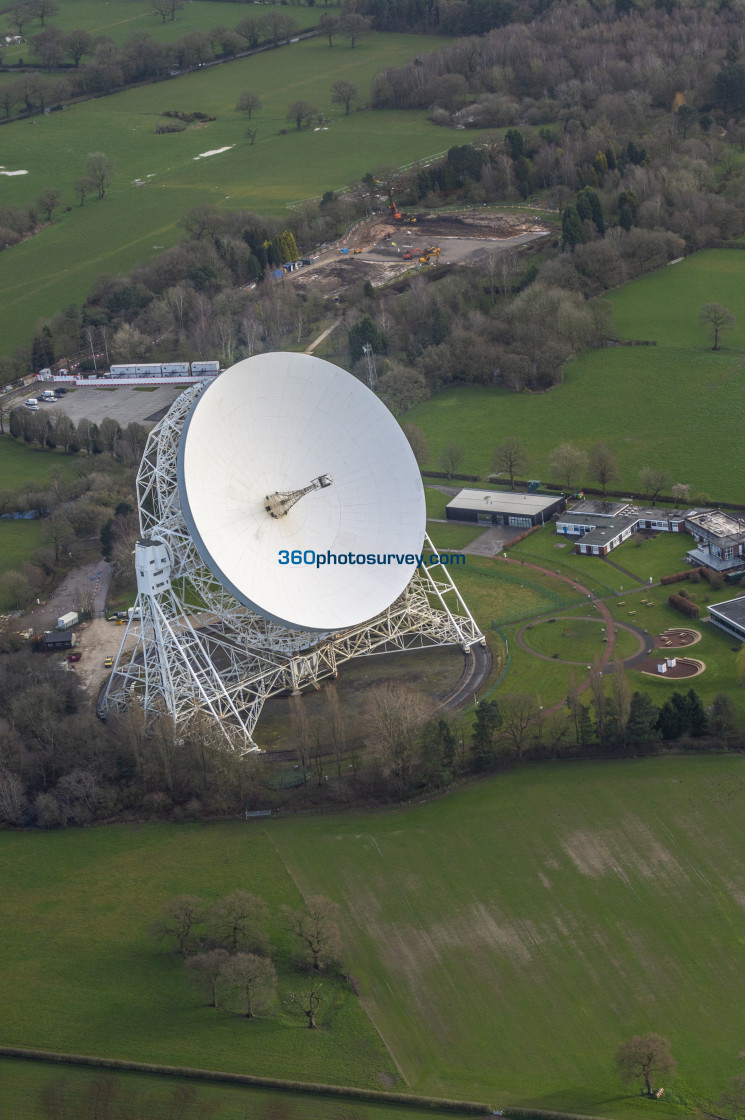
<point x="81" y="63"/>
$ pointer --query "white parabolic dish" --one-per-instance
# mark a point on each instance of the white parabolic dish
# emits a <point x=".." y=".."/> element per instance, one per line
<point x="276" y="422"/>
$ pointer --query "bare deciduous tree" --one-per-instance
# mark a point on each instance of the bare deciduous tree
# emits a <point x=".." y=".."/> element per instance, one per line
<point x="417" y="441"/>
<point x="450" y="458"/>
<point x="510" y="457"/>
<point x="717" y="319"/>
<point x="248" y="102"/>
<point x="308" y="1002"/>
<point x="642" y="1057"/>
<point x="343" y="93"/>
<point x="394" y="718"/>
<point x="317" y="930"/>
<point x="653" y="481"/>
<point x="177" y="919"/>
<point x="206" y="970"/>
<point x="568" y="463"/>
<point x="253" y="979"/>
<point x="518" y="711"/>
<point x="239" y="921"/>
<point x="603" y="466"/>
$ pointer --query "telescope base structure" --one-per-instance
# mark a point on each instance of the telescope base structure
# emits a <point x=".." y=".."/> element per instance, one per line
<point x="198" y="651"/>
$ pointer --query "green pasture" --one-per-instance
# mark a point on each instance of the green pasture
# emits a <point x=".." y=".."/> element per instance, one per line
<point x="160" y="177"/>
<point x="119" y="19"/>
<point x="664" y="305"/>
<point x="80" y="972"/>
<point x="666" y="406"/>
<point x="508" y="937"/>
<point x="26" y="1086"/>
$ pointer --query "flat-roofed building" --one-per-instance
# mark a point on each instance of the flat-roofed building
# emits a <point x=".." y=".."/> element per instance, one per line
<point x="730" y="617"/>
<point x="602" y="526"/>
<point x="720" y="540"/>
<point x="503" y="507"/>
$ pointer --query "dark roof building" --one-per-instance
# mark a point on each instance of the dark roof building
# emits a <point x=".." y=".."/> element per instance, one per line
<point x="503" y="507"/>
<point x="730" y="617"/>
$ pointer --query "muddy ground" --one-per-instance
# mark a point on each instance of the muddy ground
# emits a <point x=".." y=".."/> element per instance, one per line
<point x="376" y="248"/>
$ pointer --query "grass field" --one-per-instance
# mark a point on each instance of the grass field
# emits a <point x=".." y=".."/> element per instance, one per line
<point x="18" y="542"/>
<point x="666" y="406"/>
<point x="25" y="1086"/>
<point x="506" y="937"/>
<point x="48" y="271"/>
<point x="24" y="468"/>
<point x="573" y="639"/>
<point x="77" y="937"/>
<point x="510" y="936"/>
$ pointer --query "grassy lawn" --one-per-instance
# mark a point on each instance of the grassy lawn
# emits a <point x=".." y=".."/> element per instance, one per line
<point x="58" y="265"/>
<point x="452" y="536"/>
<point x="556" y="552"/>
<point x="24" y="1086"/>
<point x="436" y="502"/>
<point x="508" y="937"/>
<point x="618" y="396"/>
<point x="19" y="540"/>
<point x="500" y="593"/>
<point x="80" y="972"/>
<point x="573" y="639"/>
<point x="662" y="556"/>
<point x="31" y="468"/>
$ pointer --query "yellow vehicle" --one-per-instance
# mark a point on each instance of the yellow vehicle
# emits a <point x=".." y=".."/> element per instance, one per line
<point x="108" y="663"/>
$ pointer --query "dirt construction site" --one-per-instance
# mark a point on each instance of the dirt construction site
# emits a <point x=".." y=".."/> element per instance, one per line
<point x="384" y="248"/>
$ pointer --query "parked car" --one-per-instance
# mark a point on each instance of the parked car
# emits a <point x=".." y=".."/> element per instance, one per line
<point x="108" y="663"/>
<point x="75" y="656"/>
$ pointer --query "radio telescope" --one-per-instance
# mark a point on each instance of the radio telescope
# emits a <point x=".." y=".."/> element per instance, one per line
<point x="277" y="507"/>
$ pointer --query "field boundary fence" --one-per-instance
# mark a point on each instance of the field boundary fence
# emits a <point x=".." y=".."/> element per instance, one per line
<point x="350" y="1092"/>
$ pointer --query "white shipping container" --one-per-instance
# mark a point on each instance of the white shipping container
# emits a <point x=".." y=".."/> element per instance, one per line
<point x="67" y="620"/>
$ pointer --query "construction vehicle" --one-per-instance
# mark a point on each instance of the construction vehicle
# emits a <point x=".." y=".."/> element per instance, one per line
<point x="433" y="251"/>
<point x="408" y="255"/>
<point x="397" y="215"/>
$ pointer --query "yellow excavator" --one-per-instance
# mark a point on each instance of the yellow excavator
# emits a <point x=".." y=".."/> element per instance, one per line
<point x="433" y="251"/>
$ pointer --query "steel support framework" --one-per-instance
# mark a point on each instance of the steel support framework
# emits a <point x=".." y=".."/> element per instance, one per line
<point x="197" y="649"/>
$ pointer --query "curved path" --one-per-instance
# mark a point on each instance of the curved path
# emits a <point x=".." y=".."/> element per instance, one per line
<point x="603" y="612"/>
<point x="476" y="669"/>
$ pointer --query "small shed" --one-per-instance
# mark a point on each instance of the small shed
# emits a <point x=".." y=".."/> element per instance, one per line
<point x="57" y="639"/>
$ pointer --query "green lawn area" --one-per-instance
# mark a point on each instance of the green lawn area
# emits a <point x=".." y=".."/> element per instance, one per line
<point x="506" y="939"/>
<point x="452" y="535"/>
<point x="501" y="593"/>
<point x="556" y="552"/>
<point x="573" y="639"/>
<point x="19" y="540"/>
<point x="23" y="1085"/>
<point x="627" y="397"/>
<point x="159" y="178"/>
<point x="25" y="468"/>
<point x="436" y="502"/>
<point x="662" y="556"/>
